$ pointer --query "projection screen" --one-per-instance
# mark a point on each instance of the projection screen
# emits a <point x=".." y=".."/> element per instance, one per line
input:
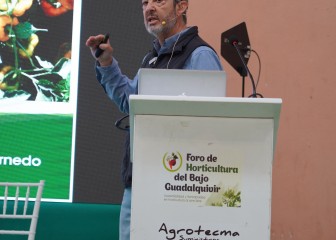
<point x="56" y="122"/>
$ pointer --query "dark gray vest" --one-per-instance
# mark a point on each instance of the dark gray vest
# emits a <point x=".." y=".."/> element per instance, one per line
<point x="186" y="44"/>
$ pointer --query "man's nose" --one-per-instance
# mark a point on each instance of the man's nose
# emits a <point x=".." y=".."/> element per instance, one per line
<point x="150" y="6"/>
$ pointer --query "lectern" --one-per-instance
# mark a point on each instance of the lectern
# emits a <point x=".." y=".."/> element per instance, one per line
<point x="202" y="167"/>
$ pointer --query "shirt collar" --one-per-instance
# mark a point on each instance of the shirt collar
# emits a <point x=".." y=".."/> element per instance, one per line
<point x="168" y="42"/>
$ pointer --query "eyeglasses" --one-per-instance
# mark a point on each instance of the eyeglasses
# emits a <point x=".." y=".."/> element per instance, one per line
<point x="121" y="123"/>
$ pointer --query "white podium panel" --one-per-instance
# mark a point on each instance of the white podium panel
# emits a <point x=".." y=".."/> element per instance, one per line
<point x="199" y="176"/>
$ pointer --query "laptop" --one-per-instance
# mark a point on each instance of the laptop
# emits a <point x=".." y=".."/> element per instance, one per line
<point x="181" y="82"/>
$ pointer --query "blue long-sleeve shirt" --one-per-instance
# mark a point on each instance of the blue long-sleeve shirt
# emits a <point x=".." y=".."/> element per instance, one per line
<point x="118" y="86"/>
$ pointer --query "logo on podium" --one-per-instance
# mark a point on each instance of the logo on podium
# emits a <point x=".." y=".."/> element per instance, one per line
<point x="172" y="162"/>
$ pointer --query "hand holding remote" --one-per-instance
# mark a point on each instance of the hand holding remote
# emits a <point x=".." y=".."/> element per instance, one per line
<point x="99" y="51"/>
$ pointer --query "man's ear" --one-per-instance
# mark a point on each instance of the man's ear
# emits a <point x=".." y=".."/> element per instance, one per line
<point x="182" y="7"/>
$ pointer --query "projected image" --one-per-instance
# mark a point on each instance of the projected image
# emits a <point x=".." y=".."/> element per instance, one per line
<point x="37" y="148"/>
<point x="39" y="49"/>
<point x="35" y="50"/>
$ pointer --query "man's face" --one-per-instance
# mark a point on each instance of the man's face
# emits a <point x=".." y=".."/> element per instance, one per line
<point x="159" y="16"/>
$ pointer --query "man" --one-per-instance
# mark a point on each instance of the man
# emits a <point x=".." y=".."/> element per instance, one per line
<point x="176" y="47"/>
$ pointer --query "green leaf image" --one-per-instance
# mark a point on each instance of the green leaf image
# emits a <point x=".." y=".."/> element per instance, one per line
<point x="229" y="197"/>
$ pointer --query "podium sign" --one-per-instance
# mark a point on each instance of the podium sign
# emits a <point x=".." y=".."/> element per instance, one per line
<point x="201" y="173"/>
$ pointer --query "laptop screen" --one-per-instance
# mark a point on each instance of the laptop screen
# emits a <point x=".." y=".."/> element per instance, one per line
<point x="181" y="82"/>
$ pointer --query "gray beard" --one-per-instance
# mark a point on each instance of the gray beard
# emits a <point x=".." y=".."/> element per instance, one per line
<point x="162" y="29"/>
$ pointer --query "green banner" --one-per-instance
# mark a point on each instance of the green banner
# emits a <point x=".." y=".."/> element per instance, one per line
<point x="37" y="147"/>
